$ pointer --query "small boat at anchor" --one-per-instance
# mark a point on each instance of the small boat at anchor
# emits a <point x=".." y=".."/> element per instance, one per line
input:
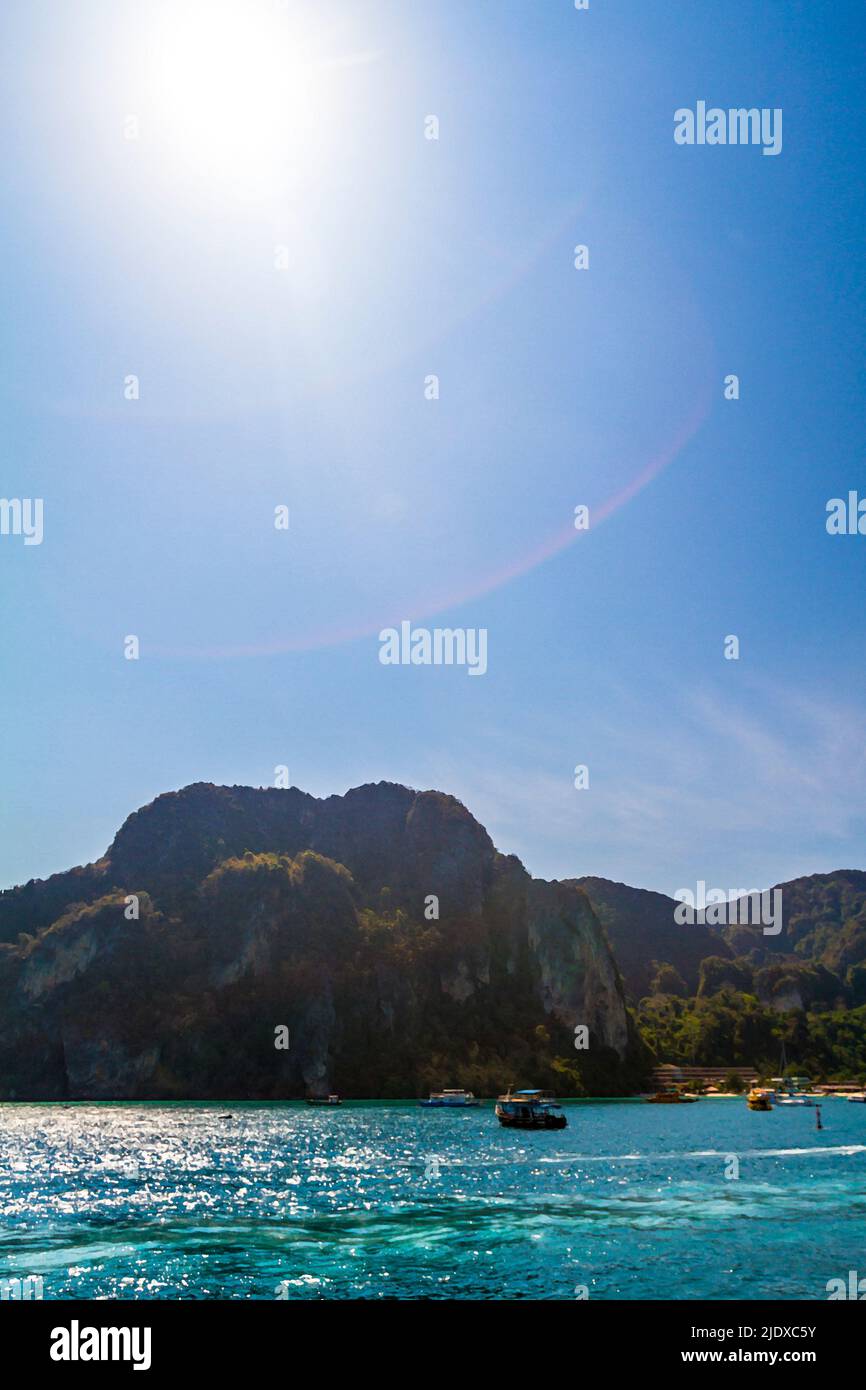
<point x="759" y="1099"/>
<point x="324" y="1100"/>
<point x="450" y="1100"/>
<point x="671" y="1097"/>
<point x="530" y="1110"/>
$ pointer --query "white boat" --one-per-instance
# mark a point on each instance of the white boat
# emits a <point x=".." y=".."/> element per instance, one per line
<point x="450" y="1100"/>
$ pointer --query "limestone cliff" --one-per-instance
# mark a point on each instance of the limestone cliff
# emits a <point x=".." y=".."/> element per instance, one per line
<point x="382" y="929"/>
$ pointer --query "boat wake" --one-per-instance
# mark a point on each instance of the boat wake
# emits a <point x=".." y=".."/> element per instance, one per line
<point x="828" y="1150"/>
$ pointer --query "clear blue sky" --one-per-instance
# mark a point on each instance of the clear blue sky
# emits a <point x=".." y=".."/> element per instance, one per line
<point x="155" y="257"/>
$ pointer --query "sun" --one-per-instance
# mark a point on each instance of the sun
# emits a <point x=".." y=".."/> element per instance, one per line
<point x="240" y="91"/>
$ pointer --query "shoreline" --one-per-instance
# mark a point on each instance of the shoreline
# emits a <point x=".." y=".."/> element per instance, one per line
<point x="299" y="1101"/>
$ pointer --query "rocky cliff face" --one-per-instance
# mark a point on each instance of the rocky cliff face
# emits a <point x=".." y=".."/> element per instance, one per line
<point x="381" y="929"/>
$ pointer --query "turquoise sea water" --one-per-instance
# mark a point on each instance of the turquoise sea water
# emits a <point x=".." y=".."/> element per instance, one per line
<point x="385" y="1200"/>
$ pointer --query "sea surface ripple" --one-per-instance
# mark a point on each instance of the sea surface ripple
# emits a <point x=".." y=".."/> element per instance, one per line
<point x="386" y="1200"/>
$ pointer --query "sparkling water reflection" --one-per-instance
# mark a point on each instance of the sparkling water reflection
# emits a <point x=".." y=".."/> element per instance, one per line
<point x="256" y="1201"/>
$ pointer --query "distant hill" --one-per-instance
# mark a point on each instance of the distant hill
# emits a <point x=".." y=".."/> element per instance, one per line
<point x="642" y="932"/>
<point x="731" y="995"/>
<point x="824" y="923"/>
<point x="817" y="955"/>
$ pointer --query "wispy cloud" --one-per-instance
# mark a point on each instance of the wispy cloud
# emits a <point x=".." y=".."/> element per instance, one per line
<point x="762" y="786"/>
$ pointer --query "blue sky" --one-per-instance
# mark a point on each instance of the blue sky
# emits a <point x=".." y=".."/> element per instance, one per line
<point x="155" y="256"/>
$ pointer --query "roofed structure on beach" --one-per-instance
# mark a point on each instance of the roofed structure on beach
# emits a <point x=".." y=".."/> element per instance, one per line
<point x="669" y="1074"/>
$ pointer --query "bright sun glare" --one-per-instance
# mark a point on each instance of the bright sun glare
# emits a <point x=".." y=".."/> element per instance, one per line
<point x="239" y="90"/>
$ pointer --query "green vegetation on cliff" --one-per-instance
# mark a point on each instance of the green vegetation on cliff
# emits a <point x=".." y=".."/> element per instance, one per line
<point x="735" y="1029"/>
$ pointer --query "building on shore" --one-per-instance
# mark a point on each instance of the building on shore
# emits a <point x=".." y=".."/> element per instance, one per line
<point x="671" y="1075"/>
<point x="839" y="1087"/>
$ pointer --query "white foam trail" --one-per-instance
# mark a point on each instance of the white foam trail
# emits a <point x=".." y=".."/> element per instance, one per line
<point x="830" y="1149"/>
<point x="845" y="1149"/>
